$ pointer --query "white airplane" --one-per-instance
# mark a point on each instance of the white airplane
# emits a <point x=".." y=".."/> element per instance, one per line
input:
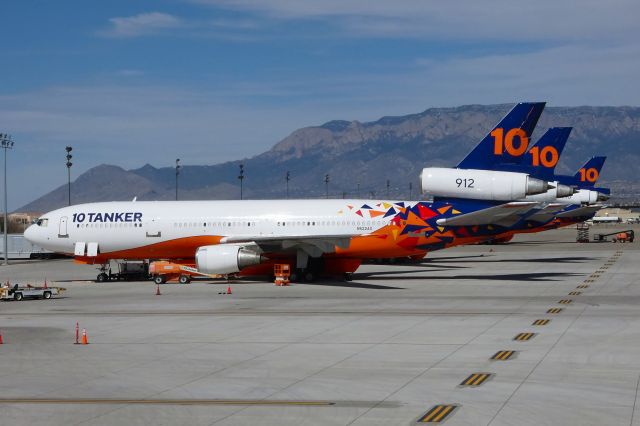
<point x="223" y="237"/>
<point x="317" y="236"/>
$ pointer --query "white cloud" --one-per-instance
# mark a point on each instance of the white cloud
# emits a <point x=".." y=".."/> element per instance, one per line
<point x="131" y="124"/>
<point x="567" y="75"/>
<point x="465" y="19"/>
<point x="141" y="25"/>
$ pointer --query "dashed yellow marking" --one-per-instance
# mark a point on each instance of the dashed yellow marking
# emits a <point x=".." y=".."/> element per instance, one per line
<point x="475" y="379"/>
<point x="589" y="281"/>
<point x="541" y="322"/>
<point x="565" y="301"/>
<point x="502" y="355"/>
<point x="583" y="286"/>
<point x="554" y="310"/>
<point x="438" y="414"/>
<point x="524" y="336"/>
<point x="575" y="293"/>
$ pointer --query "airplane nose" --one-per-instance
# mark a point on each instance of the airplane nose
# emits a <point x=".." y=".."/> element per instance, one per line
<point x="30" y="234"/>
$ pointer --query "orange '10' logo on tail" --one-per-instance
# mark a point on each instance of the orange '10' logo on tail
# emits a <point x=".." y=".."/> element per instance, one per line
<point x="588" y="175"/>
<point x="502" y="142"/>
<point x="547" y="156"/>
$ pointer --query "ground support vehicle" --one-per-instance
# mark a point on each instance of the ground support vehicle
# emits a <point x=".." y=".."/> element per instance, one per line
<point x="618" y="236"/>
<point x="162" y="271"/>
<point x="281" y="273"/>
<point x="127" y="271"/>
<point x="17" y="292"/>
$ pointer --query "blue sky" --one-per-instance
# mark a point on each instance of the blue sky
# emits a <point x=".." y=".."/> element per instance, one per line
<point x="131" y="82"/>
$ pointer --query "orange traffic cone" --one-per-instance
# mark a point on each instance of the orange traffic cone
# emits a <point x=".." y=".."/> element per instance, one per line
<point x="158" y="290"/>
<point x="229" y="289"/>
<point x="45" y="283"/>
<point x="85" y="341"/>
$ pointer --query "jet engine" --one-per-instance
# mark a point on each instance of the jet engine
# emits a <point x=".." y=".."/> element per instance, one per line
<point x="225" y="258"/>
<point x="557" y="191"/>
<point x="480" y="184"/>
<point x="586" y="196"/>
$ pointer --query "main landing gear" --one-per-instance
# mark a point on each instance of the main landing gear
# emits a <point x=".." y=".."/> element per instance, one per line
<point x="309" y="273"/>
<point x="303" y="275"/>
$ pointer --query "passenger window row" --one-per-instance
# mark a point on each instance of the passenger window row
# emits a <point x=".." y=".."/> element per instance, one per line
<point x="281" y="223"/>
<point x="109" y="225"/>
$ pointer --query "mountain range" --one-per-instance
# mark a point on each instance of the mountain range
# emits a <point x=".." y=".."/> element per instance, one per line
<point x="361" y="157"/>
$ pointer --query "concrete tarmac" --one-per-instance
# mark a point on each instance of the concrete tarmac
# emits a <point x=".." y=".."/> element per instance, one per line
<point x="385" y="349"/>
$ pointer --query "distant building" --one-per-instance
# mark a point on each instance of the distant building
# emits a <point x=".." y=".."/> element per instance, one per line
<point x="623" y="214"/>
<point x="18" y="222"/>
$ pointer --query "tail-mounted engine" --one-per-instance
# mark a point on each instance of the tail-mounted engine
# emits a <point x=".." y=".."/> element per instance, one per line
<point x="480" y="184"/>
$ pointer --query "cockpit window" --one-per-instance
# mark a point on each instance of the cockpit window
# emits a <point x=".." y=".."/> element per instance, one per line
<point x="42" y="222"/>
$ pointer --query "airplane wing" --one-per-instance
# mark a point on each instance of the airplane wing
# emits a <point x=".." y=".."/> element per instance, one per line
<point x="313" y="245"/>
<point x="580" y="212"/>
<point x="503" y="215"/>
<point x="546" y="213"/>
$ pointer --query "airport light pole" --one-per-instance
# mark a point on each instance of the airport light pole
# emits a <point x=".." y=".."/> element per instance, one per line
<point x="69" y="164"/>
<point x="7" y="143"/>
<point x="358" y="191"/>
<point x="388" y="184"/>
<point x="287" y="178"/>
<point x="241" y="177"/>
<point x="326" y="185"/>
<point x="178" y="167"/>
<point x="410" y="190"/>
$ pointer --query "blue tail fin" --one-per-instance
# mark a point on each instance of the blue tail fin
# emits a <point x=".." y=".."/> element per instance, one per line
<point x="586" y="176"/>
<point x="505" y="142"/>
<point x="542" y="158"/>
<point x="589" y="173"/>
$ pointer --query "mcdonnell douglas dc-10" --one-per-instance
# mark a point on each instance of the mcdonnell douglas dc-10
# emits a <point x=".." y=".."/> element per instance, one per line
<point x="317" y="236"/>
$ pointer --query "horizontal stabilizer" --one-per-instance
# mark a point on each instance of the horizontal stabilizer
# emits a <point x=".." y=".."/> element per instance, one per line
<point x="580" y="212"/>
<point x="502" y="215"/>
<point x="546" y="213"/>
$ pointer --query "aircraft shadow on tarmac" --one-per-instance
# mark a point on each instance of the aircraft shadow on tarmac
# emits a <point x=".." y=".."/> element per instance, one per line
<point x="524" y="277"/>
<point x="546" y="260"/>
<point x="489" y="258"/>
<point x="353" y="284"/>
